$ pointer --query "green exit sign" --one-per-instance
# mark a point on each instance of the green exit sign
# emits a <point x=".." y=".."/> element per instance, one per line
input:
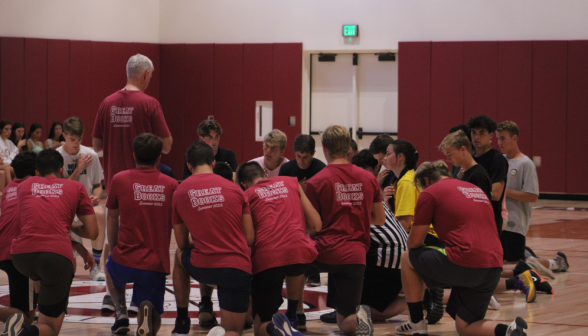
<point x="350" y="30"/>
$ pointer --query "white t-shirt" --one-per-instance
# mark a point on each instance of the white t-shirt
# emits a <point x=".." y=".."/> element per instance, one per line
<point x="91" y="175"/>
<point x="270" y="173"/>
<point x="7" y="150"/>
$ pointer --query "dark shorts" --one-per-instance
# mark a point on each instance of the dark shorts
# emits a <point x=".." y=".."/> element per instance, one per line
<point x="471" y="288"/>
<point x="266" y="289"/>
<point x="513" y="246"/>
<point x="147" y="285"/>
<point x="431" y="240"/>
<point x="55" y="273"/>
<point x="345" y="285"/>
<point x="381" y="286"/>
<point x="21" y="290"/>
<point x="233" y="285"/>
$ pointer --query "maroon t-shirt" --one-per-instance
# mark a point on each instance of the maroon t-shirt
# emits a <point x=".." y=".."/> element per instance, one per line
<point x="143" y="197"/>
<point x="343" y="195"/>
<point x="280" y="227"/>
<point x="212" y="208"/>
<point x="47" y="207"/>
<point x="9" y="221"/>
<point x="121" y="117"/>
<point x="463" y="218"/>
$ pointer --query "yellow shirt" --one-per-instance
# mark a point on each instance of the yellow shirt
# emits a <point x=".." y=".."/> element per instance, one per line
<point x="406" y="198"/>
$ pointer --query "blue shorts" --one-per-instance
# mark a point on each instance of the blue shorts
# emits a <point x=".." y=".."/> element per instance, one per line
<point x="148" y="285"/>
<point x="233" y="285"/>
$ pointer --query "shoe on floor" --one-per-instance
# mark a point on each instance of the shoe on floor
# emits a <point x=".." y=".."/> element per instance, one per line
<point x="97" y="274"/>
<point x="300" y="323"/>
<point x="133" y="309"/>
<point x="206" y="317"/>
<point x="329" y="317"/>
<point x="14" y="325"/>
<point x="145" y="320"/>
<point x="562" y="262"/>
<point x="182" y="327"/>
<point x="494" y="304"/>
<point x="216" y="331"/>
<point x="541" y="284"/>
<point x="283" y="327"/>
<point x="121" y="325"/>
<point x="526" y="285"/>
<point x="409" y="328"/>
<point x="517" y="328"/>
<point x="107" y="304"/>
<point x="363" y="321"/>
<point x="434" y="305"/>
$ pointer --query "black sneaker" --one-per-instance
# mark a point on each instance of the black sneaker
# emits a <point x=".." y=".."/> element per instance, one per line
<point x="540" y="283"/>
<point x="107" y="304"/>
<point x="434" y="305"/>
<point x="182" y="327"/>
<point x="517" y="328"/>
<point x="528" y="251"/>
<point x="121" y="325"/>
<point x="300" y="323"/>
<point x="329" y="317"/>
<point x="14" y="325"/>
<point x="206" y="317"/>
<point x="521" y="267"/>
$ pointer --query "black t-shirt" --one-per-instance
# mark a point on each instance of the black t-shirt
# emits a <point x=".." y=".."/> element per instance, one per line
<point x="497" y="167"/>
<point x="291" y="168"/>
<point x="222" y="155"/>
<point x="455" y="171"/>
<point x="478" y="176"/>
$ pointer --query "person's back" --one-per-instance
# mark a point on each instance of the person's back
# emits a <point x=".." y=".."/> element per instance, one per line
<point x="10" y="218"/>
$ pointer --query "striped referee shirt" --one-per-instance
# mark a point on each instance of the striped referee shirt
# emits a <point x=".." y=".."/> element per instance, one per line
<point x="387" y="242"/>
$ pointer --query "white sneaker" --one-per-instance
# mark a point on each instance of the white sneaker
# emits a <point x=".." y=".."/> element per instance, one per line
<point x="97" y="274"/>
<point x="363" y="322"/>
<point x="494" y="304"/>
<point x="217" y="331"/>
<point x="517" y="328"/>
<point x="409" y="328"/>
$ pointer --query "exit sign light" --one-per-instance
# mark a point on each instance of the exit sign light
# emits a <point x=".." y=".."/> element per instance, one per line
<point x="350" y="30"/>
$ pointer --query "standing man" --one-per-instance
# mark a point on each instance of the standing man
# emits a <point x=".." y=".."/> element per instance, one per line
<point x="482" y="128"/>
<point x="274" y="144"/>
<point x="210" y="132"/>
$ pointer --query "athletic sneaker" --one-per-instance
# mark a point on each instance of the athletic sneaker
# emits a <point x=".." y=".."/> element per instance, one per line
<point x="216" y="331"/>
<point x="529" y="252"/>
<point x="434" y="305"/>
<point x="521" y="267"/>
<point x="517" y="328"/>
<point x="494" y="304"/>
<point x="182" y="327"/>
<point x="121" y="325"/>
<point x="300" y="323"/>
<point x="363" y="321"/>
<point x="541" y="284"/>
<point x="409" y="328"/>
<point x="133" y="309"/>
<point x="282" y="326"/>
<point x="562" y="262"/>
<point x="329" y="317"/>
<point x="14" y="325"/>
<point x="107" y="304"/>
<point x="314" y="280"/>
<point x="97" y="274"/>
<point x="526" y="285"/>
<point x="206" y="317"/>
<point x="145" y="319"/>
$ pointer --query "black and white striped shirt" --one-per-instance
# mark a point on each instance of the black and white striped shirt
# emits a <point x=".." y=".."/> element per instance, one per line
<point x="387" y="242"/>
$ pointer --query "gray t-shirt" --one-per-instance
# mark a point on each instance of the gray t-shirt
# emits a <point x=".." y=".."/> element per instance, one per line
<point x="522" y="176"/>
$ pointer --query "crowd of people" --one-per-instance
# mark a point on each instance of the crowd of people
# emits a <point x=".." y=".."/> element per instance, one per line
<point x="393" y="235"/>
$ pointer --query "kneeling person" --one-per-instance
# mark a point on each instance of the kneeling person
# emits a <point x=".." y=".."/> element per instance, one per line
<point x="281" y="215"/>
<point x="216" y="214"/>
<point x="140" y="242"/>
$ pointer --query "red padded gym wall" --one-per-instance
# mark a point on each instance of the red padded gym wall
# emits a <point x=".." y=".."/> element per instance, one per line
<point x="577" y="118"/>
<point x="228" y="95"/>
<point x="104" y="81"/>
<point x="80" y="91"/>
<point x="150" y="50"/>
<point x="172" y="98"/>
<point x="515" y="88"/>
<point x="257" y="86"/>
<point x="480" y="72"/>
<point x="199" y="91"/>
<point x="287" y="91"/>
<point x="447" y="73"/>
<point x="35" y="86"/>
<point x="414" y="95"/>
<point x="57" y="82"/>
<point x="549" y="113"/>
<point x="12" y="79"/>
<point x="121" y="52"/>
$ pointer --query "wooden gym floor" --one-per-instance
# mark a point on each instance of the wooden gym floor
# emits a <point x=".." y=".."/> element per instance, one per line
<point x="556" y="226"/>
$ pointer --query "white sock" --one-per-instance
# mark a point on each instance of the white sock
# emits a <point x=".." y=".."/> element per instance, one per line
<point x="553" y="265"/>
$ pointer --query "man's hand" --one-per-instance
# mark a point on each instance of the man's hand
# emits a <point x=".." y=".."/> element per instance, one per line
<point x="303" y="183"/>
<point x="389" y="192"/>
<point x="382" y="176"/>
<point x="95" y="200"/>
<point x="460" y="174"/>
<point x="21" y="143"/>
<point x="84" y="161"/>
<point x="89" y="262"/>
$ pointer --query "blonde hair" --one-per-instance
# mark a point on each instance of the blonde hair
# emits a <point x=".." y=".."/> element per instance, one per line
<point x="456" y="140"/>
<point x="508" y="126"/>
<point x="276" y="138"/>
<point x="431" y="170"/>
<point x="337" y="140"/>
